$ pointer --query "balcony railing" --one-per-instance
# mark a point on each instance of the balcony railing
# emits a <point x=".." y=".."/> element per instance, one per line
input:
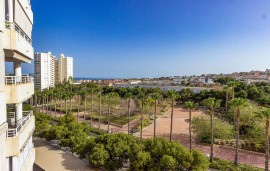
<point x="13" y="26"/>
<point x="12" y="132"/>
<point x="18" y="80"/>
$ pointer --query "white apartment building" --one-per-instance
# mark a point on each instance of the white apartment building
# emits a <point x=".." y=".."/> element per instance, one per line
<point x="16" y="128"/>
<point x="50" y="71"/>
<point x="64" y="68"/>
<point x="44" y="70"/>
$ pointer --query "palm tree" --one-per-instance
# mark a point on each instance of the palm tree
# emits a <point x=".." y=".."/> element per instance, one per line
<point x="156" y="97"/>
<point x="128" y="96"/>
<point x="264" y="113"/>
<point x="227" y="88"/>
<point x="210" y="103"/>
<point x="110" y="96"/>
<point x="70" y="95"/>
<point x="172" y="95"/>
<point x="83" y="93"/>
<point x="79" y="102"/>
<point x="99" y="90"/>
<point x="92" y="90"/>
<point x="237" y="103"/>
<point x="142" y="97"/>
<point x="232" y="85"/>
<point x="55" y="95"/>
<point x="191" y="106"/>
<point x="61" y="100"/>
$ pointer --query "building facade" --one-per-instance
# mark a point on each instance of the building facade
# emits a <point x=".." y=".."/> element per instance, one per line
<point x="16" y="128"/>
<point x="50" y="71"/>
<point x="64" y="69"/>
<point x="44" y="70"/>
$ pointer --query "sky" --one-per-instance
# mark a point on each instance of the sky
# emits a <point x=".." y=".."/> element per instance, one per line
<point x="152" y="38"/>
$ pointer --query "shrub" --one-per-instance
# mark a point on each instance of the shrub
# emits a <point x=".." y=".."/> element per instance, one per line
<point x="229" y="166"/>
<point x="201" y="127"/>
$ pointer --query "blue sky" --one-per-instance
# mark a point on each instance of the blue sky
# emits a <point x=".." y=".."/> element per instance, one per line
<point x="151" y="38"/>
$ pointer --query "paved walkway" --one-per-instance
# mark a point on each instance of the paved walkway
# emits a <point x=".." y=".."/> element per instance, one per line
<point x="180" y="133"/>
<point x="52" y="159"/>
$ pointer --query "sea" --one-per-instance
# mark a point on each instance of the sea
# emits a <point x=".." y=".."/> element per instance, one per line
<point x="82" y="78"/>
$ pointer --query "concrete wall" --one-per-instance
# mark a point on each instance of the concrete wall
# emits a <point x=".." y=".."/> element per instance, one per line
<point x="14" y="41"/>
<point x="19" y="93"/>
<point x="14" y="144"/>
<point x="3" y="160"/>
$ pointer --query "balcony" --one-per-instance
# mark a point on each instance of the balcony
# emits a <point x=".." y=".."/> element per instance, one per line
<point x="17" y="44"/>
<point x="12" y="132"/>
<point x="18" y="88"/>
<point x="19" y="134"/>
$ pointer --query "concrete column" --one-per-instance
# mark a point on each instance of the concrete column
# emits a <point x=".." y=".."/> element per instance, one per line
<point x="18" y="68"/>
<point x="15" y="163"/>
<point x="10" y="10"/>
<point x="18" y="111"/>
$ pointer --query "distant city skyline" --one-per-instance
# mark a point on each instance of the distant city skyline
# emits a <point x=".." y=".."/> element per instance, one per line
<point x="121" y="39"/>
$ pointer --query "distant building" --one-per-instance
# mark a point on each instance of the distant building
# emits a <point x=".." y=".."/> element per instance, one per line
<point x="64" y="69"/>
<point x="50" y="71"/>
<point x="44" y="70"/>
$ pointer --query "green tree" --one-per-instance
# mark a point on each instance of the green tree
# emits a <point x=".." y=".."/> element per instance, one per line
<point x="237" y="103"/>
<point x="110" y="96"/>
<point x="98" y="156"/>
<point x="232" y="85"/>
<point x="172" y="95"/>
<point x="210" y="103"/>
<point x="142" y="97"/>
<point x="156" y="97"/>
<point x="128" y="96"/>
<point x="190" y="106"/>
<point x="264" y="114"/>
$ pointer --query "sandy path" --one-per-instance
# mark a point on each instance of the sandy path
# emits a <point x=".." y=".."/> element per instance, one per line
<point x="52" y="159"/>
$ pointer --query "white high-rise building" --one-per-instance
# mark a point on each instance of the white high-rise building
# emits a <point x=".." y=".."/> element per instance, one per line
<point x="64" y="68"/>
<point x="16" y="128"/>
<point x="44" y="70"/>
<point x="50" y="71"/>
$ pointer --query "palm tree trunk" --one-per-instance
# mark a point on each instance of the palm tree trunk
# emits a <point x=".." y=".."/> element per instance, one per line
<point x="66" y="105"/>
<point x="109" y="115"/>
<point x="70" y="104"/>
<point x="43" y="104"/>
<point x="99" y="116"/>
<point x="55" y="101"/>
<point x="47" y="111"/>
<point x="35" y="102"/>
<point x="212" y="135"/>
<point x="227" y="98"/>
<point x="155" y="118"/>
<point x="61" y="108"/>
<point x="51" y="107"/>
<point x="142" y="118"/>
<point x="267" y="145"/>
<point x="233" y="93"/>
<point x="171" y="127"/>
<point x="84" y="107"/>
<point x="91" y="112"/>
<point x="237" y="136"/>
<point x="78" y="108"/>
<point x="190" y="134"/>
<point x="128" y="116"/>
